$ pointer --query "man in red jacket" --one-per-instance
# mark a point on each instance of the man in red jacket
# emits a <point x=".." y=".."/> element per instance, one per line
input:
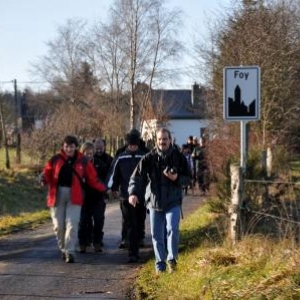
<point x="65" y="174"/>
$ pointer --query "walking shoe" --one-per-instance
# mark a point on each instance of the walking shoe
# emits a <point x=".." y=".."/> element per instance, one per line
<point x="172" y="265"/>
<point x="69" y="258"/>
<point x="63" y="255"/>
<point x="97" y="248"/>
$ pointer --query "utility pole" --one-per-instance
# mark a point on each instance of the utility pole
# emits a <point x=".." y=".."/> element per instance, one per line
<point x="17" y="129"/>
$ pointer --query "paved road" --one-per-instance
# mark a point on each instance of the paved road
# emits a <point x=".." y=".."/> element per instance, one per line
<point x="31" y="267"/>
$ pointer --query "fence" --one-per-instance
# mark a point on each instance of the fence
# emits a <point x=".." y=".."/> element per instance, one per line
<point x="270" y="207"/>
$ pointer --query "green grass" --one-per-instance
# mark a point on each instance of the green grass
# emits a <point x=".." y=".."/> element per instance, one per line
<point x="254" y="268"/>
<point x="22" y="200"/>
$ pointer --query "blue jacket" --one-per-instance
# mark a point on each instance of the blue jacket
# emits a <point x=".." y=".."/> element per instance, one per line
<point x="161" y="192"/>
<point x="121" y="169"/>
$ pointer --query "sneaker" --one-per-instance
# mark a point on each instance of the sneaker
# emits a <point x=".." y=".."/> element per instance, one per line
<point x="82" y="249"/>
<point x="172" y="265"/>
<point x="123" y="245"/>
<point x="69" y="258"/>
<point x="97" y="248"/>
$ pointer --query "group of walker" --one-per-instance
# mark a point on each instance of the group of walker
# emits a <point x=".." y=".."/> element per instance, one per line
<point x="79" y="182"/>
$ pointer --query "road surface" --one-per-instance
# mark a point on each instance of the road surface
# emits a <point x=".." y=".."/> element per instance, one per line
<point x="31" y="266"/>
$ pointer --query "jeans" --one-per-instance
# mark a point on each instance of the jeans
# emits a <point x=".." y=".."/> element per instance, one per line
<point x="65" y="217"/>
<point x="165" y="235"/>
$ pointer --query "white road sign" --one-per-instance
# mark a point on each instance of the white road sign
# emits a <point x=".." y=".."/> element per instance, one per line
<point x="241" y="93"/>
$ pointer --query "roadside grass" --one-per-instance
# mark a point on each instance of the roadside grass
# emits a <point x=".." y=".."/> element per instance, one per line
<point x="257" y="267"/>
<point x="22" y="200"/>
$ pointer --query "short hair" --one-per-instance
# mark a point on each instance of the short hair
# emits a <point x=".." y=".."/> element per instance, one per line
<point x="71" y="139"/>
<point x="164" y="130"/>
<point x="86" y="146"/>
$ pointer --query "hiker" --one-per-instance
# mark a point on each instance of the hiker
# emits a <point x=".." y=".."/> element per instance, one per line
<point x="93" y="210"/>
<point x="163" y="172"/>
<point x="65" y="174"/>
<point x="118" y="179"/>
<point x="142" y="146"/>
<point x="201" y="167"/>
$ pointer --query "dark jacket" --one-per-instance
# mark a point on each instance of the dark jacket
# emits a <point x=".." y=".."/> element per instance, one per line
<point x="102" y="165"/>
<point x="121" y="170"/>
<point x="162" y="193"/>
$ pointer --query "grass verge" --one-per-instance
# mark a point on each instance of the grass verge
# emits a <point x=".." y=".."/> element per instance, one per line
<point x="255" y="268"/>
<point x="22" y="200"/>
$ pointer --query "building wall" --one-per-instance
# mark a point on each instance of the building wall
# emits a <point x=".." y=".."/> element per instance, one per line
<point x="180" y="129"/>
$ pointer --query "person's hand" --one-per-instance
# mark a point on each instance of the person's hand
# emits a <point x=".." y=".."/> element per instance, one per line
<point x="133" y="200"/>
<point x="170" y="175"/>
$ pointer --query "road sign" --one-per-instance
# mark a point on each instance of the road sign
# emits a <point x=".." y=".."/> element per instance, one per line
<point x="241" y="93"/>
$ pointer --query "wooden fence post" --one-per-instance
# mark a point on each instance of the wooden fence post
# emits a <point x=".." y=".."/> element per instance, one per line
<point x="236" y="199"/>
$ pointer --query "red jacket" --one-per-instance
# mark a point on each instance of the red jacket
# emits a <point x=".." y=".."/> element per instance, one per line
<point x="85" y="170"/>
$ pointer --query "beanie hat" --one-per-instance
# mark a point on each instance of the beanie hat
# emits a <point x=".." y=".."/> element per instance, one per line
<point x="132" y="139"/>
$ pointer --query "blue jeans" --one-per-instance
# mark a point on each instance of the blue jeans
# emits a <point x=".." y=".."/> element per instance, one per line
<point x="165" y="235"/>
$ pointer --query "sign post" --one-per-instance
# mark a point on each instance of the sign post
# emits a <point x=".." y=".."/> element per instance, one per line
<point x="242" y="99"/>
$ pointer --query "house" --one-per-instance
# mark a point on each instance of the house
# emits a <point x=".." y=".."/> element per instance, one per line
<point x="183" y="112"/>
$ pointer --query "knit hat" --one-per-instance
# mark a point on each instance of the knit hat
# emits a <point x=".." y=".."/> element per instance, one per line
<point x="132" y="139"/>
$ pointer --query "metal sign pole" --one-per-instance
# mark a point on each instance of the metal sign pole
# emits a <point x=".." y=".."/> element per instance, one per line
<point x="243" y="145"/>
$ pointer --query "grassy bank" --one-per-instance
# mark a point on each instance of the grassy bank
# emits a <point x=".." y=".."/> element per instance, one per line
<point x="255" y="268"/>
<point x="22" y="200"/>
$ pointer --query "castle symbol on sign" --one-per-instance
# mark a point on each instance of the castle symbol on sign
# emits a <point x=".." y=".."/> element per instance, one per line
<point x="237" y="107"/>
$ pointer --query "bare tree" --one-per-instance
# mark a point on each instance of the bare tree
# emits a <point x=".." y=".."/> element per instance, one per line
<point x="146" y="42"/>
<point x="264" y="33"/>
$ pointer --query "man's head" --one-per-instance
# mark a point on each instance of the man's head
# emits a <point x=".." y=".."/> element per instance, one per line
<point x="69" y="145"/>
<point x="195" y="140"/>
<point x="163" y="139"/>
<point x="99" y="146"/>
<point x="133" y="141"/>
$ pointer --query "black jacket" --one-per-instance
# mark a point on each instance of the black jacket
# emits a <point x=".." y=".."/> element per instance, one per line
<point x="161" y="192"/>
<point x="121" y="170"/>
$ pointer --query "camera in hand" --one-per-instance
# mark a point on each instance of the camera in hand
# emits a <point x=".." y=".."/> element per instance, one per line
<point x="171" y="170"/>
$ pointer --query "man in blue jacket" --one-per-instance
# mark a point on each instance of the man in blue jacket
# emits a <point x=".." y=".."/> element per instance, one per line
<point x="162" y="172"/>
<point x="118" y="180"/>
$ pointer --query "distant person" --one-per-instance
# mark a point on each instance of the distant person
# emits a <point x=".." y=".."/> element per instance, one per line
<point x="186" y="152"/>
<point x="163" y="172"/>
<point x="65" y="174"/>
<point x="201" y="167"/>
<point x="133" y="218"/>
<point x="190" y="144"/>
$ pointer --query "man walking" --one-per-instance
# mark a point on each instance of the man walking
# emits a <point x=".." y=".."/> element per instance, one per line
<point x="164" y="171"/>
<point x="118" y="179"/>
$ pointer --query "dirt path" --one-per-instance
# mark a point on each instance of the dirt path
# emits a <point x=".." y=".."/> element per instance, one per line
<point x="31" y="267"/>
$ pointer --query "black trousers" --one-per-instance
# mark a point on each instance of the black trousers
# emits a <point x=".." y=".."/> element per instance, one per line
<point x="134" y="225"/>
<point x="92" y="222"/>
<point x="141" y="218"/>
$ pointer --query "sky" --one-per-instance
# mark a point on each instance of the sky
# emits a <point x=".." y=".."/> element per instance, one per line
<point x="27" y="25"/>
